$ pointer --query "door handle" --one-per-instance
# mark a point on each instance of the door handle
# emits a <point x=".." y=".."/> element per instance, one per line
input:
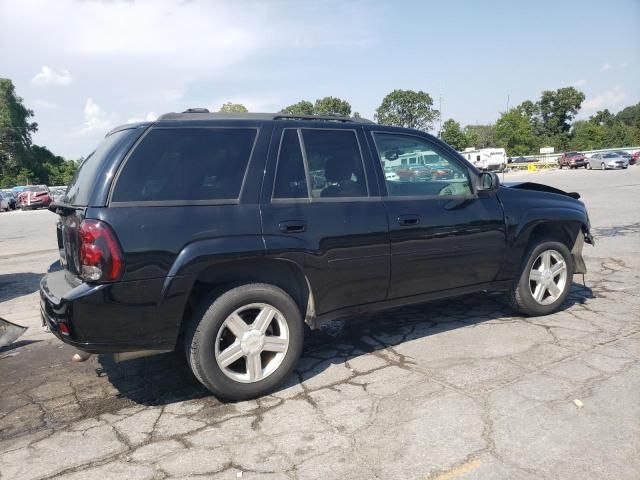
<point x="292" y="226"/>
<point x="408" y="220"/>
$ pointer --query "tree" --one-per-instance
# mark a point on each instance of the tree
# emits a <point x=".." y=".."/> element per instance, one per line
<point x="603" y="117"/>
<point x="233" y="108"/>
<point x="480" y="136"/>
<point x="332" y="106"/>
<point x="630" y="116"/>
<point x="407" y="108"/>
<point x="453" y="135"/>
<point x="514" y="132"/>
<point x="322" y="106"/>
<point x="588" y="135"/>
<point x="558" y="108"/>
<point x="15" y="133"/>
<point x="303" y="107"/>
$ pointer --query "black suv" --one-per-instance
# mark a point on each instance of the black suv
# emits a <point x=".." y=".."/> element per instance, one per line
<point x="226" y="233"/>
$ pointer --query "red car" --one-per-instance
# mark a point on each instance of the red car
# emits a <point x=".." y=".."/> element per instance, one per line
<point x="635" y="157"/>
<point x="573" y="160"/>
<point x="34" y="196"/>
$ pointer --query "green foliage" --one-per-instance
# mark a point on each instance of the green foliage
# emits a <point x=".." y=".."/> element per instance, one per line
<point x="303" y="107"/>
<point x="480" y="136"/>
<point x="514" y="132"/>
<point x="603" y="117"/>
<point x="407" y="108"/>
<point x="21" y="162"/>
<point x="588" y="135"/>
<point x="322" y="106"/>
<point x="332" y="106"/>
<point x="453" y="135"/>
<point x="558" y="108"/>
<point x="233" y="108"/>
<point x="630" y="116"/>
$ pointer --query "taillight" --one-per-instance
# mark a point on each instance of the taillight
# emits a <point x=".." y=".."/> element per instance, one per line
<point x="100" y="255"/>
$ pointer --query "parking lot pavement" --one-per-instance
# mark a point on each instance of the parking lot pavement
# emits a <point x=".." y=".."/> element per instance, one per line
<point x="463" y="388"/>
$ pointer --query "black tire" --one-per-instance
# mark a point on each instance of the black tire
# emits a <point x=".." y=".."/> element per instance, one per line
<point x="603" y="166"/>
<point x="520" y="295"/>
<point x="206" y="322"/>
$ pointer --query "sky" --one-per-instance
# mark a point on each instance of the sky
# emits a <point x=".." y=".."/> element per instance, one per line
<point x="86" y="66"/>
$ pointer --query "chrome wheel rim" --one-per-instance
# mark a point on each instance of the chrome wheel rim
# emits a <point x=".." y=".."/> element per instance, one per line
<point x="548" y="277"/>
<point x="252" y="342"/>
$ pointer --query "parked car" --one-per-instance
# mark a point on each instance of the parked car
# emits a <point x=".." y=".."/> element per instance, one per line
<point x="10" y="197"/>
<point x="522" y="160"/>
<point x="34" y="196"/>
<point x="573" y="160"/>
<point x="4" y="203"/>
<point x="626" y="155"/>
<point x="210" y="238"/>
<point x="605" y="161"/>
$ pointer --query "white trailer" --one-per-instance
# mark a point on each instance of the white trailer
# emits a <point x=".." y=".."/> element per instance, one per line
<point x="486" y="158"/>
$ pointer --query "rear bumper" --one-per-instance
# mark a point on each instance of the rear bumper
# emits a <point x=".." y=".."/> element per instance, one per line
<point x="116" y="317"/>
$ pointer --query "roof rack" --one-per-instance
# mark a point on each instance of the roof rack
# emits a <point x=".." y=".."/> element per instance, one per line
<point x="330" y="118"/>
<point x="205" y="114"/>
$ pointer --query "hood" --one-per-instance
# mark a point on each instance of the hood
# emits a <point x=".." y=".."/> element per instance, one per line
<point x="539" y="187"/>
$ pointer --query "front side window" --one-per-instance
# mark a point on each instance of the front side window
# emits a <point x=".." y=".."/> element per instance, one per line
<point x="186" y="164"/>
<point x="334" y="163"/>
<point x="413" y="166"/>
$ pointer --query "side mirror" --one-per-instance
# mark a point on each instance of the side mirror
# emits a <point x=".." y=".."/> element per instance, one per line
<point x="488" y="181"/>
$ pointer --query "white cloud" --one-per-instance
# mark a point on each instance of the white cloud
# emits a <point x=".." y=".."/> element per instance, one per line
<point x="149" y="117"/>
<point x="580" y="83"/>
<point x="610" y="99"/>
<point x="624" y="65"/>
<point x="48" y="76"/>
<point x="95" y="119"/>
<point x="605" y="66"/>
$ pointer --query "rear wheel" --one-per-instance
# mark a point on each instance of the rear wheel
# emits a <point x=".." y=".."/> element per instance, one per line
<point x="603" y="166"/>
<point x="588" y="166"/>
<point x="246" y="341"/>
<point x="545" y="279"/>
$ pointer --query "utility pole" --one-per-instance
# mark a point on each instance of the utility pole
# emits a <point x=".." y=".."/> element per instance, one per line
<point x="507" y="102"/>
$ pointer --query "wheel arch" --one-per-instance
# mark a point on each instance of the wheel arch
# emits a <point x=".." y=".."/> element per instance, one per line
<point x="281" y="273"/>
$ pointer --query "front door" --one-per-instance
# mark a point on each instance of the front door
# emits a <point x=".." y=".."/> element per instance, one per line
<point x="444" y="235"/>
<point x="323" y="212"/>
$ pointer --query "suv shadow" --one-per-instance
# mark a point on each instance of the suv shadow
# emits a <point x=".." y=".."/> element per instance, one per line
<point x="165" y="379"/>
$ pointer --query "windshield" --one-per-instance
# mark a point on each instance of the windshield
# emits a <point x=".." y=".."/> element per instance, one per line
<point x="34" y="189"/>
<point x="610" y="155"/>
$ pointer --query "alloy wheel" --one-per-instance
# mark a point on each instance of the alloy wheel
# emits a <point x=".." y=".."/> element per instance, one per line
<point x="548" y="277"/>
<point x="252" y="343"/>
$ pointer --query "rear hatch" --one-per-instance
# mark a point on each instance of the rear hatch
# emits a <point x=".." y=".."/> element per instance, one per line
<point x="89" y="188"/>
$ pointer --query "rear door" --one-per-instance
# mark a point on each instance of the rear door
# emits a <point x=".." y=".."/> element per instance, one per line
<point x="443" y="234"/>
<point x="321" y="209"/>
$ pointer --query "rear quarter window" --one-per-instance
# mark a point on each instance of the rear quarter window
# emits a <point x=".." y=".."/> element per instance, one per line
<point x="186" y="164"/>
<point x="81" y="187"/>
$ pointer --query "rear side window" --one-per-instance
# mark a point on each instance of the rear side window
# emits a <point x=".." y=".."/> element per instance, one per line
<point x="335" y="163"/>
<point x="186" y="164"/>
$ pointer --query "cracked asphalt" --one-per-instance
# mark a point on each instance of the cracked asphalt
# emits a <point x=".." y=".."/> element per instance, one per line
<point x="463" y="388"/>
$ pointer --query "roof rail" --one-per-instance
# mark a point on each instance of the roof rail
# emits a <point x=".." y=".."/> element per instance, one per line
<point x="196" y="110"/>
<point x="330" y="118"/>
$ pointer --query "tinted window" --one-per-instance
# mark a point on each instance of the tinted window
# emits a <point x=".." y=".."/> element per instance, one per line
<point x="335" y="163"/>
<point x="290" y="178"/>
<point x="413" y="166"/>
<point x="81" y="186"/>
<point x="183" y="164"/>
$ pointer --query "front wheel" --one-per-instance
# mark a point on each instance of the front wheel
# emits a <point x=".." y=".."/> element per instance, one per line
<point x="603" y="166"/>
<point x="245" y="342"/>
<point x="545" y="279"/>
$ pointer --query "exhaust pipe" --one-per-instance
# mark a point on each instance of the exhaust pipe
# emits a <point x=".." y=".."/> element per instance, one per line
<point x="9" y="332"/>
